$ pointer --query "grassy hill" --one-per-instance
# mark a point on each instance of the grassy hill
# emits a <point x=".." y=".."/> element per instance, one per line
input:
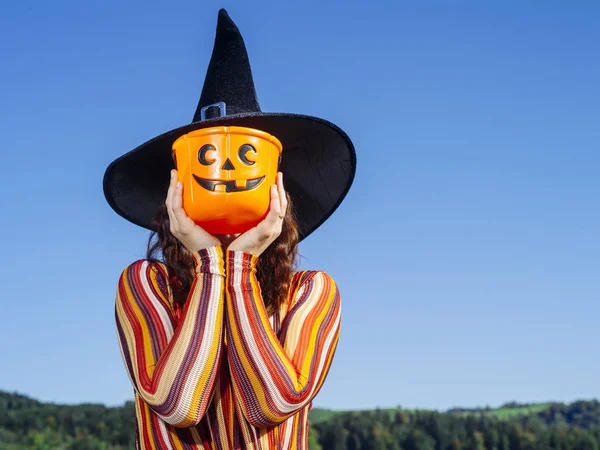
<point x="508" y="412"/>
<point x="318" y="415"/>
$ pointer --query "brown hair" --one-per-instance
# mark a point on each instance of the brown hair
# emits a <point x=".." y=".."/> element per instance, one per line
<point x="274" y="269"/>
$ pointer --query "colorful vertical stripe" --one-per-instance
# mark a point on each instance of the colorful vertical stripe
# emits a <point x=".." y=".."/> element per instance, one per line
<point x="172" y="369"/>
<point x="223" y="374"/>
<point x="274" y="377"/>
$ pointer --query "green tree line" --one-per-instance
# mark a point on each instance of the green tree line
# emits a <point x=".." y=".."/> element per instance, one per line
<point x="27" y="424"/>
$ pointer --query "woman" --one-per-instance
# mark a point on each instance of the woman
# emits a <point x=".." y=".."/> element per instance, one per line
<point x="226" y="345"/>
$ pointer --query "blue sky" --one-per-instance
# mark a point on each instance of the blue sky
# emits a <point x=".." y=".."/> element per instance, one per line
<point x="466" y="251"/>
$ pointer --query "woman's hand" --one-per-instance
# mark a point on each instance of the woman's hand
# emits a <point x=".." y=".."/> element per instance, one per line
<point x="192" y="236"/>
<point x="257" y="239"/>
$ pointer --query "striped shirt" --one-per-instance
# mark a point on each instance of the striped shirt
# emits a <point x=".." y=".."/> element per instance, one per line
<point x="222" y="374"/>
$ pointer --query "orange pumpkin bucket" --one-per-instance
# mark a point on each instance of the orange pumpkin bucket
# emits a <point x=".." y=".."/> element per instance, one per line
<point x="227" y="173"/>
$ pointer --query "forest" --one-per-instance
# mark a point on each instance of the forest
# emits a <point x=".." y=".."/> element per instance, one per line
<point x="28" y="424"/>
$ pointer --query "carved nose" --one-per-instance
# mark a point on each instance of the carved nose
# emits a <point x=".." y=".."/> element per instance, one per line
<point x="228" y="165"/>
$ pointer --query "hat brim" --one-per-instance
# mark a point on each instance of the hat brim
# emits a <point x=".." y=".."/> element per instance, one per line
<point x="318" y="162"/>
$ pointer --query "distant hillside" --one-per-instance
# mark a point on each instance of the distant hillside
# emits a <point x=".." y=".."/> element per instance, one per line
<point x="512" y="409"/>
<point x="318" y="415"/>
<point x="543" y="426"/>
<point x="508" y="410"/>
<point x="27" y="424"/>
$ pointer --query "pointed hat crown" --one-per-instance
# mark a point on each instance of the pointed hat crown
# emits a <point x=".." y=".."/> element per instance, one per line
<point x="229" y="76"/>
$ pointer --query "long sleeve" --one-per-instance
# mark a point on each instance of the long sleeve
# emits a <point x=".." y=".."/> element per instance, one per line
<point x="275" y="376"/>
<point x="173" y="368"/>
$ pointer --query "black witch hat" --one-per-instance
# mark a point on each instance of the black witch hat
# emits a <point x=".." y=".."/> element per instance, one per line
<point x="318" y="159"/>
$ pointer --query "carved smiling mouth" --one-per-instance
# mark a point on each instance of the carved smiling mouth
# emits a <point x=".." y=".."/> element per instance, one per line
<point x="230" y="186"/>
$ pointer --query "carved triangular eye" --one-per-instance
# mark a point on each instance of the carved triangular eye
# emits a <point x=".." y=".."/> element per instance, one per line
<point x="244" y="149"/>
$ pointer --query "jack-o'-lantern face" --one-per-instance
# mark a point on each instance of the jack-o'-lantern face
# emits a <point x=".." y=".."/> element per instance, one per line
<point x="227" y="173"/>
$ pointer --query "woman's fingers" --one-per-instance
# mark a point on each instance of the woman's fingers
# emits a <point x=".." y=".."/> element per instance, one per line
<point x="274" y="219"/>
<point x="169" y="191"/>
<point x="169" y="202"/>
<point x="184" y="222"/>
<point x="275" y="211"/>
<point x="268" y="227"/>
<point x="282" y="197"/>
